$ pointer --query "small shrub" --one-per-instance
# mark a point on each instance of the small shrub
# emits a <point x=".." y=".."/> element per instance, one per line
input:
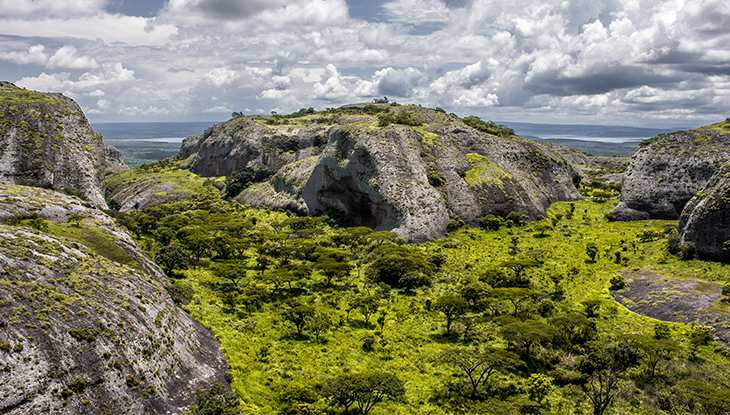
<point x="688" y="251"/>
<point x="131" y="381"/>
<point x="5" y="346"/>
<point x="436" y="179"/>
<point x="88" y="334"/>
<point x="78" y="385"/>
<point x="18" y="348"/>
<point x="491" y="222"/>
<point x="617" y="282"/>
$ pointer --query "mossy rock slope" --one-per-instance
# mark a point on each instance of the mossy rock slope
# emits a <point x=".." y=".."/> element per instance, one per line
<point x="46" y="141"/>
<point x="667" y="172"/>
<point x="86" y="325"/>
<point x="408" y="174"/>
<point x="705" y="220"/>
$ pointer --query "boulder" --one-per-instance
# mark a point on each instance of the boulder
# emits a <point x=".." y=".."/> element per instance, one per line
<point x="46" y="141"/>
<point x="87" y="326"/>
<point x="705" y="220"/>
<point x="665" y="173"/>
<point x="405" y="169"/>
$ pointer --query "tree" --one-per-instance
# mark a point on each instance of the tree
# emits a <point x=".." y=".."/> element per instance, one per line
<point x="518" y="266"/>
<point x="318" y="322"/>
<point x="299" y="314"/>
<point x="539" y="386"/>
<point x="172" y="257"/>
<point x="653" y="350"/>
<point x="602" y="371"/>
<point x="394" y="263"/>
<point x="333" y="269"/>
<point x="296" y="398"/>
<point x="523" y="336"/>
<point x="453" y="306"/>
<point x="229" y="271"/>
<point x="217" y="399"/>
<point x="515" y="295"/>
<point x="366" y="304"/>
<point x="195" y="239"/>
<point x="573" y="331"/>
<point x="479" y="365"/>
<point x="363" y="390"/>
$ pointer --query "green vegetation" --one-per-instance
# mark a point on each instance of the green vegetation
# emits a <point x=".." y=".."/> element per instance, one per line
<point x="511" y="319"/>
<point x="489" y="127"/>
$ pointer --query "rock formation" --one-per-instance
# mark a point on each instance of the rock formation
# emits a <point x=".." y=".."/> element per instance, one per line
<point x="399" y="168"/>
<point x="665" y="174"/>
<point x="86" y="326"/>
<point x="46" y="141"/>
<point x="705" y="220"/>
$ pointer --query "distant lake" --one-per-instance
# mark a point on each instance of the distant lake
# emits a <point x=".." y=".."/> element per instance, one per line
<point x="605" y="133"/>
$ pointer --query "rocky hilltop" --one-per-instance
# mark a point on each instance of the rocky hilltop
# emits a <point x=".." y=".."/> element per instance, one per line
<point x="406" y="169"/>
<point x="87" y="326"/>
<point x="705" y="220"/>
<point x="46" y="141"/>
<point x="666" y="172"/>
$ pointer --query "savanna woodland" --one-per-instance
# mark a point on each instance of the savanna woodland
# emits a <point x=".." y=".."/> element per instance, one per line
<point x="318" y="317"/>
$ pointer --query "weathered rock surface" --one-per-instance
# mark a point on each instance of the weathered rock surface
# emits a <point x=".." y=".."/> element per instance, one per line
<point x="705" y="220"/>
<point x="407" y="179"/>
<point x="664" y="175"/>
<point x="86" y="326"/>
<point x="46" y="141"/>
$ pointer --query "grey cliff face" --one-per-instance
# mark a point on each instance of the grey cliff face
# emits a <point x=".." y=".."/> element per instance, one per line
<point x="407" y="179"/>
<point x="705" y="220"/>
<point x="46" y="141"/>
<point x="86" y="326"/>
<point x="663" y="176"/>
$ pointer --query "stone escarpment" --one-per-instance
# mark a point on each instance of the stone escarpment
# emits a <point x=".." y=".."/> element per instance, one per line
<point x="705" y="220"/>
<point x="665" y="174"/>
<point x="400" y="168"/>
<point x="46" y="141"/>
<point x="86" y="325"/>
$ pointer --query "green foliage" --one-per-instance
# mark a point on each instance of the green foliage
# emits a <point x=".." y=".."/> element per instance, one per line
<point x="217" y="399"/>
<point x="395" y="263"/>
<point x="490" y="222"/>
<point x="88" y="334"/>
<point x="180" y="293"/>
<point x="78" y="385"/>
<point x="436" y="179"/>
<point x="402" y="117"/>
<point x="363" y="390"/>
<point x="455" y="223"/>
<point x="617" y="282"/>
<point x="244" y="178"/>
<point x="172" y="257"/>
<point x="688" y="251"/>
<point x="479" y="365"/>
<point x="452" y="306"/>
<point x="488" y="127"/>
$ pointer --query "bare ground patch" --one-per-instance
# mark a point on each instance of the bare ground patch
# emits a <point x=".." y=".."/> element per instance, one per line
<point x="677" y="300"/>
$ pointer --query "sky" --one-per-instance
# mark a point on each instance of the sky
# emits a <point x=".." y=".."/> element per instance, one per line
<point x="608" y="62"/>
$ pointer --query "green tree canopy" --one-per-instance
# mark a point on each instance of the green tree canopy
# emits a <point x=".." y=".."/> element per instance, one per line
<point x="363" y="390"/>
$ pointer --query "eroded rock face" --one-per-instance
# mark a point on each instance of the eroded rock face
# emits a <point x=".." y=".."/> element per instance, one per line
<point x="705" y="220"/>
<point x="663" y="176"/>
<point x="86" y="326"/>
<point x="398" y="178"/>
<point x="46" y="141"/>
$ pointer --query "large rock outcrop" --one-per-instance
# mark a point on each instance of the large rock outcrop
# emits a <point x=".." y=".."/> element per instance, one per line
<point x="705" y="220"/>
<point x="46" y="141"/>
<point x="86" y="326"/>
<point x="665" y="174"/>
<point x="385" y="175"/>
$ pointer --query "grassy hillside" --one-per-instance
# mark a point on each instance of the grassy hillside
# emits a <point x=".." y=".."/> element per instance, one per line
<point x="308" y="311"/>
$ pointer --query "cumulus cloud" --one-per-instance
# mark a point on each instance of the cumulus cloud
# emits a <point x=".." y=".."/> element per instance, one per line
<point x="67" y="57"/>
<point x="36" y="9"/>
<point x="331" y="87"/>
<point x="617" y="59"/>
<point x="34" y="56"/>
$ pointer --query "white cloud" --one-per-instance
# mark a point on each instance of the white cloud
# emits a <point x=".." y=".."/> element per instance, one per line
<point x="218" y="110"/>
<point x="34" y="56"/>
<point x="617" y="59"/>
<point x="66" y="57"/>
<point x="35" y="9"/>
